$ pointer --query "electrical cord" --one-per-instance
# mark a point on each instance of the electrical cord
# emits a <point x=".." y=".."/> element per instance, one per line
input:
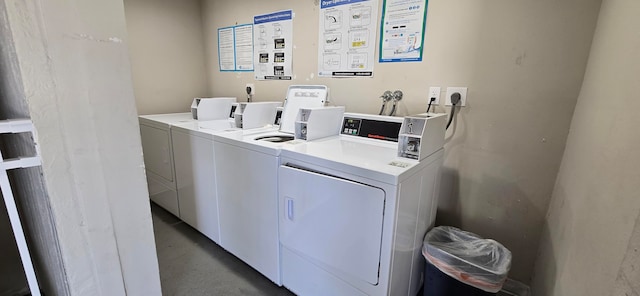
<point x="249" y="98"/>
<point x="455" y="99"/>
<point x="431" y="102"/>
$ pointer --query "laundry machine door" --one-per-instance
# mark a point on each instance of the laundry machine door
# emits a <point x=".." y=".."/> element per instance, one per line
<point x="157" y="151"/>
<point x="332" y="221"/>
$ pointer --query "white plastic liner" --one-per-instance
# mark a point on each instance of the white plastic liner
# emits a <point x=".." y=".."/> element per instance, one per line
<point x="481" y="263"/>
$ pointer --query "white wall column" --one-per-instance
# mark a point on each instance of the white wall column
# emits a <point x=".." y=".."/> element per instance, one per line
<point x="76" y="76"/>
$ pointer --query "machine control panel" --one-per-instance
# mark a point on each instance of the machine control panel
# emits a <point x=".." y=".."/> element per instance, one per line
<point x="368" y="128"/>
<point x="351" y="126"/>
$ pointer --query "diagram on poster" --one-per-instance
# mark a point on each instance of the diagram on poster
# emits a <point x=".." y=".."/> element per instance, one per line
<point x="347" y="34"/>
<point x="274" y="47"/>
<point x="402" y="31"/>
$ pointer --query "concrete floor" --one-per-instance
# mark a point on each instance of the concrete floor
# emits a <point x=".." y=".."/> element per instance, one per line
<point x="191" y="264"/>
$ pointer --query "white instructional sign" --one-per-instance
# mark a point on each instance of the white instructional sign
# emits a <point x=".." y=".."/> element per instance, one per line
<point x="235" y="48"/>
<point x="402" y="31"/>
<point x="273" y="45"/>
<point x="347" y="42"/>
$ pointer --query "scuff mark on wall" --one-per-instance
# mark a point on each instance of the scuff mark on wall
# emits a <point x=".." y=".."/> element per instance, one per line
<point x="520" y="59"/>
<point x="92" y="38"/>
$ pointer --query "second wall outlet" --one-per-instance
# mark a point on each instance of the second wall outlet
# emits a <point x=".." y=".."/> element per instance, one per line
<point x="463" y="95"/>
<point x="253" y="88"/>
<point x="434" y="92"/>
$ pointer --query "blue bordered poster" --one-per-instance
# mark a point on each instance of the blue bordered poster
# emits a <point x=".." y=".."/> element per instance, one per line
<point x="226" y="50"/>
<point x="235" y="48"/>
<point x="402" y="30"/>
<point x="347" y="38"/>
<point x="273" y="48"/>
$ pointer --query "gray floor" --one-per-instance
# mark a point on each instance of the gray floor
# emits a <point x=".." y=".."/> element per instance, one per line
<point x="191" y="264"/>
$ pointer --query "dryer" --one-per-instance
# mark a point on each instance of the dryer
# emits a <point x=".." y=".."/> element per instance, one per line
<point x="246" y="174"/>
<point x="352" y="214"/>
<point x="155" y="134"/>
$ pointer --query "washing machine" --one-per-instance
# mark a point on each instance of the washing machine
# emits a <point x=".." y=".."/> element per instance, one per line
<point x="246" y="172"/>
<point x="195" y="174"/>
<point x="155" y="133"/>
<point x="194" y="161"/>
<point x="352" y="213"/>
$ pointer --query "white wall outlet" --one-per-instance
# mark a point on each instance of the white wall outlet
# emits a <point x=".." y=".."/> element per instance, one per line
<point x="253" y="88"/>
<point x="434" y="92"/>
<point x="463" y="95"/>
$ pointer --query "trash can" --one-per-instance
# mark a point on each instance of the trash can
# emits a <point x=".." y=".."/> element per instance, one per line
<point x="462" y="263"/>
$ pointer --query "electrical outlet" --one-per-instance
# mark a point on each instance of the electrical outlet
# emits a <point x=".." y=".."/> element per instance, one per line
<point x="434" y="92"/>
<point x="463" y="95"/>
<point x="253" y="88"/>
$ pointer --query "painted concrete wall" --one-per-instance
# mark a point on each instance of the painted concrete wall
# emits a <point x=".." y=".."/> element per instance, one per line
<point x="523" y="62"/>
<point x="589" y="246"/>
<point x="75" y="74"/>
<point x="167" y="54"/>
<point x="12" y="278"/>
<point x="28" y="188"/>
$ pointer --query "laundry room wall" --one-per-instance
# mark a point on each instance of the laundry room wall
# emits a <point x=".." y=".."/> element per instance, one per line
<point x="591" y="239"/>
<point x="167" y="54"/>
<point x="523" y="62"/>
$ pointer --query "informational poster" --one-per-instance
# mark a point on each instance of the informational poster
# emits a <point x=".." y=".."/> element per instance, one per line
<point x="347" y="38"/>
<point x="273" y="48"/>
<point x="226" y="49"/>
<point x="402" y="31"/>
<point x="235" y="48"/>
<point x="243" y="35"/>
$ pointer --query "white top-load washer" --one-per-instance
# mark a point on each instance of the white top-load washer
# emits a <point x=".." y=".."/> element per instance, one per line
<point x="194" y="152"/>
<point x="353" y="214"/>
<point x="155" y="133"/>
<point x="246" y="172"/>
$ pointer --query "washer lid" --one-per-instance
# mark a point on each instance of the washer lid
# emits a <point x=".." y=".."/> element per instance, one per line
<point x="301" y="96"/>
